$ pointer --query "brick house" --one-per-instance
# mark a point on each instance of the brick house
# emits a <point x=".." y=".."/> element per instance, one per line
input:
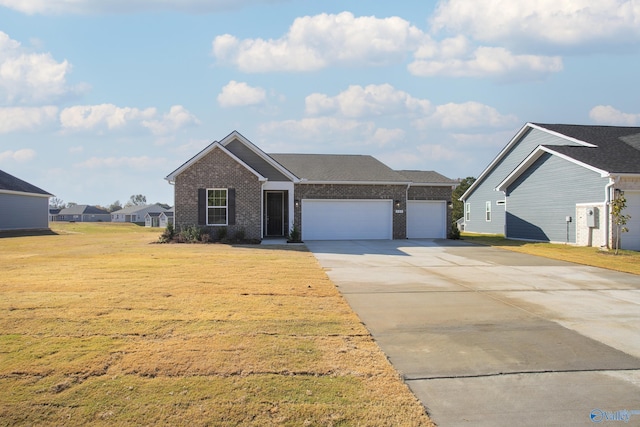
<point x="234" y="184"/>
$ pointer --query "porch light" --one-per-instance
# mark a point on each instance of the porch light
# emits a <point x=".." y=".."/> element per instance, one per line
<point x="397" y="204"/>
<point x="296" y="202"/>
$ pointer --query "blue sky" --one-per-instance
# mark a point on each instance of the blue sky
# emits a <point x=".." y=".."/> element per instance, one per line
<point x="101" y="99"/>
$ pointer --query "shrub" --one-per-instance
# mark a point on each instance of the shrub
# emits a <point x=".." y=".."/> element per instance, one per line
<point x="192" y="234"/>
<point x="168" y="235"/>
<point x="294" y="235"/>
<point x="455" y="232"/>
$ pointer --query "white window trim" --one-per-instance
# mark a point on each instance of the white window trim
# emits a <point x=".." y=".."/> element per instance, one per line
<point x="467" y="211"/>
<point x="226" y="207"/>
<point x="487" y="212"/>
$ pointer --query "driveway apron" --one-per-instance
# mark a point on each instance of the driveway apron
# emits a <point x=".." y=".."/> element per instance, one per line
<point x="488" y="337"/>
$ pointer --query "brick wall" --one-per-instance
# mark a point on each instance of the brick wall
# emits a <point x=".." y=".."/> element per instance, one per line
<point x="218" y="170"/>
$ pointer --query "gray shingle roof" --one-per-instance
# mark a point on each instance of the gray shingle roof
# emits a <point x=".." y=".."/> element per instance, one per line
<point x="426" y="177"/>
<point x="617" y="151"/>
<point x="83" y="210"/>
<point x="11" y="183"/>
<point x="338" y="168"/>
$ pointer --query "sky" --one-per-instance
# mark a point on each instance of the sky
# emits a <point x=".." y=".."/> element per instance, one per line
<point x="102" y="99"/>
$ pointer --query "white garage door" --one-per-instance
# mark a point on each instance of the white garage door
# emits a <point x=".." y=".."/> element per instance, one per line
<point x="631" y="239"/>
<point x="347" y="219"/>
<point x="426" y="219"/>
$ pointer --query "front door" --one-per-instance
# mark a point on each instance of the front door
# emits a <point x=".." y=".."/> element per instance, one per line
<point x="275" y="213"/>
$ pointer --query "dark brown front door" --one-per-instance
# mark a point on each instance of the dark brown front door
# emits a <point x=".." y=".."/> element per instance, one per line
<point x="275" y="213"/>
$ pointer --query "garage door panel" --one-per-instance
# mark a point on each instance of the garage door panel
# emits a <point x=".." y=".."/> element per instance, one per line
<point x="347" y="219"/>
<point x="426" y="219"/>
<point x="631" y="239"/>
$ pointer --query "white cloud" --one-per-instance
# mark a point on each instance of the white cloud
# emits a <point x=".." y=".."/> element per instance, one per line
<point x="368" y="101"/>
<point x="467" y="115"/>
<point x="383" y="136"/>
<point x="109" y="116"/>
<point x="143" y="163"/>
<point x="27" y="78"/>
<point x="315" y="42"/>
<point x="240" y="94"/>
<point x="124" y="6"/>
<point x="607" y="115"/>
<point x="483" y="62"/>
<point x="437" y="152"/>
<point x="20" y="156"/>
<point x="13" y="119"/>
<point x="177" y="118"/>
<point x="551" y="22"/>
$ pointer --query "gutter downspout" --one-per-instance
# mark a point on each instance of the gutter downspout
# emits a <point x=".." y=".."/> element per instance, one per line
<point x="607" y="200"/>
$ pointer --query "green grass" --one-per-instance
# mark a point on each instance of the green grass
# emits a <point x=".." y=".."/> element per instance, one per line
<point x="625" y="261"/>
<point x="100" y="326"/>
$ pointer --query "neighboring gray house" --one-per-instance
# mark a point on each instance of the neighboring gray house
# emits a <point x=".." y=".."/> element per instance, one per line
<point x="555" y="182"/>
<point x="83" y="213"/>
<point x="234" y="184"/>
<point x="23" y="206"/>
<point x="135" y="213"/>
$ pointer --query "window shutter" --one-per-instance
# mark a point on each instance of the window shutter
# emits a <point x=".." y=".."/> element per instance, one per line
<point x="202" y="206"/>
<point x="231" y="206"/>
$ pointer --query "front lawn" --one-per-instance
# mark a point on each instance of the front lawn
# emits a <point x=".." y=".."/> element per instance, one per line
<point x="626" y="261"/>
<point x="100" y="326"/>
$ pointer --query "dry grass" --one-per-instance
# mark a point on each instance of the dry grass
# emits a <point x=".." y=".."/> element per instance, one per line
<point x="626" y="261"/>
<point x="101" y="327"/>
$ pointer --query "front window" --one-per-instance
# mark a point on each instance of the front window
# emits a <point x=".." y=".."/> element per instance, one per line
<point x="488" y="211"/>
<point x="217" y="206"/>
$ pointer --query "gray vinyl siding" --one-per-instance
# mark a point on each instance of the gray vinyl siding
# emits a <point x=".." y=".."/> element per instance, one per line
<point x="541" y="198"/>
<point x="486" y="190"/>
<point x="256" y="162"/>
<point x="23" y="212"/>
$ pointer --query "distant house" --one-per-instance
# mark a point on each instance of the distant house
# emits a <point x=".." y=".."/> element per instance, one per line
<point x="23" y="206"/>
<point x="152" y="219"/>
<point x="159" y="219"/>
<point x="166" y="218"/>
<point x="135" y="213"/>
<point x="555" y="183"/>
<point x="233" y="183"/>
<point x="83" y="213"/>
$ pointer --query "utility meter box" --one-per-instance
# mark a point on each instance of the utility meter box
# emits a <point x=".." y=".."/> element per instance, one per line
<point x="591" y="216"/>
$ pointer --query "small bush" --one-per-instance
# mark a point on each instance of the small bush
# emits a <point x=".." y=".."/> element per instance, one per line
<point x="455" y="232"/>
<point x="168" y="235"/>
<point x="294" y="235"/>
<point x="221" y="234"/>
<point x="192" y="234"/>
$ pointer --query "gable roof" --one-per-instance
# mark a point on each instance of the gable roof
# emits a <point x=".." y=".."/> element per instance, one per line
<point x="616" y="149"/>
<point x="605" y="149"/>
<point x="338" y="168"/>
<point x="83" y="210"/>
<point x="11" y="184"/>
<point x="427" y="178"/>
<point x="139" y="208"/>
<point x="235" y="135"/>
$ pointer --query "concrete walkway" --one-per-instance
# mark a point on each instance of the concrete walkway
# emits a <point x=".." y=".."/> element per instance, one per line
<point x="487" y="337"/>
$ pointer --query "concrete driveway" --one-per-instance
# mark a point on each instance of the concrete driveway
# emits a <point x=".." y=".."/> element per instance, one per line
<point x="488" y="337"/>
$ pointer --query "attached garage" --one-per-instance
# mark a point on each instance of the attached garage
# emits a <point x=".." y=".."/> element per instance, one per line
<point x="426" y="219"/>
<point x="347" y="219"/>
<point x="631" y="239"/>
